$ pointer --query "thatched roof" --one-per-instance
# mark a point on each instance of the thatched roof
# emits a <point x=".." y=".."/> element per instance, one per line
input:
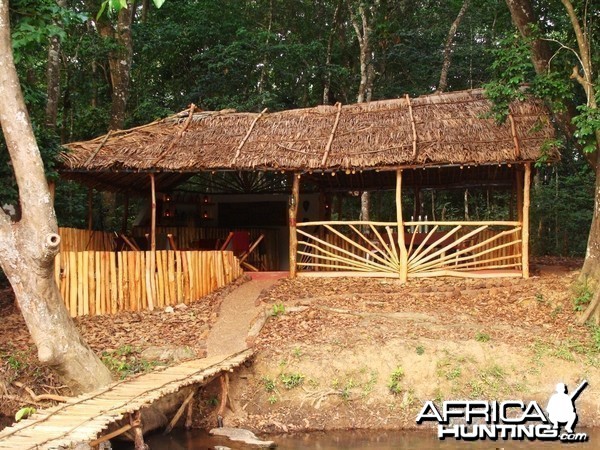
<point x="440" y="129"/>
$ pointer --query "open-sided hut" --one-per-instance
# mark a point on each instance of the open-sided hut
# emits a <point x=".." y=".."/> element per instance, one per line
<point x="436" y="141"/>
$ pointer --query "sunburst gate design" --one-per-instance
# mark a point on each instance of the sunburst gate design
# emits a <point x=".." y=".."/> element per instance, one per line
<point x="444" y="249"/>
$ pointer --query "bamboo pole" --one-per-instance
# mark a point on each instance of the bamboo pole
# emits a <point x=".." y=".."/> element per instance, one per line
<point x="519" y="188"/>
<point x="153" y="213"/>
<point x="507" y="223"/>
<point x="293" y="213"/>
<point x="525" y="232"/>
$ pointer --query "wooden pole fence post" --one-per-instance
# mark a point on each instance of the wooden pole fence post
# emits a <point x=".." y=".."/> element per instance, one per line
<point x="293" y="213"/>
<point x="525" y="230"/>
<point x="401" y="244"/>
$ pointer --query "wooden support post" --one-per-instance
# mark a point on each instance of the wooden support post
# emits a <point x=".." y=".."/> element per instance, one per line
<point x="293" y="213"/>
<point x="138" y="435"/>
<point x="525" y="229"/>
<point x="519" y="189"/>
<point x="90" y="209"/>
<point x="125" y="213"/>
<point x="224" y="380"/>
<point x="153" y="213"/>
<point x="189" y="419"/>
<point x="179" y="413"/>
<point x="401" y="245"/>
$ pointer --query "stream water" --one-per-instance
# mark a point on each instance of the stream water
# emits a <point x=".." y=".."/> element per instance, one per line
<point x="371" y="440"/>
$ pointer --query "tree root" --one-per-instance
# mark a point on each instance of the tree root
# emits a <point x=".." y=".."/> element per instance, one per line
<point x="592" y="309"/>
<point x="41" y="397"/>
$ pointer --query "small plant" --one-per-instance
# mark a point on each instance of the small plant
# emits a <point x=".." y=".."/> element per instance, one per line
<point x="481" y="336"/>
<point x="297" y="352"/>
<point x="395" y="383"/>
<point x="272" y="399"/>
<point x="583" y="295"/>
<point x="420" y="349"/>
<point x="278" y="309"/>
<point x="539" y="297"/>
<point x="292" y="380"/>
<point x="124" y="362"/>
<point x="24" y="413"/>
<point x="269" y="384"/>
<point x="454" y="373"/>
<point x="213" y="401"/>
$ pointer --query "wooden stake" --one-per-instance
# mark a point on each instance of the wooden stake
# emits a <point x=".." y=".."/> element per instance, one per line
<point x="525" y="231"/>
<point x="401" y="244"/>
<point x="293" y="213"/>
<point x="239" y="149"/>
<point x="519" y="177"/>
<point x="153" y="213"/>
<point x="513" y="130"/>
<point x="135" y="420"/>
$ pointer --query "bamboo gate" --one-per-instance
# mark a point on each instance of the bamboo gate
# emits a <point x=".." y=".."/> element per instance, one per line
<point x="93" y="279"/>
<point x="475" y="249"/>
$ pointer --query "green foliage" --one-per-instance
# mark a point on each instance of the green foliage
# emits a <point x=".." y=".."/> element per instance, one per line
<point x="278" y="309"/>
<point x="588" y="125"/>
<point x="291" y="380"/>
<point x="24" y="413"/>
<point x="582" y="295"/>
<point x="482" y="336"/>
<point x="420" y="349"/>
<point x="269" y="384"/>
<point x="395" y="382"/>
<point x="125" y="361"/>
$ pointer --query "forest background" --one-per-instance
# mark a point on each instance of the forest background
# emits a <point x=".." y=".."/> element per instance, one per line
<point x="86" y="68"/>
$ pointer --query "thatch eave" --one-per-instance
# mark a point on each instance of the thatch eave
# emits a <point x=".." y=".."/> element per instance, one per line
<point x="440" y="130"/>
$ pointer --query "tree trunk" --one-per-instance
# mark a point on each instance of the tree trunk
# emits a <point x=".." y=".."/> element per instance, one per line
<point x="327" y="82"/>
<point x="30" y="245"/>
<point x="365" y="206"/>
<point x="443" y="83"/>
<point x="119" y="62"/>
<point x="363" y="30"/>
<point x="524" y="19"/>
<point x="53" y="77"/>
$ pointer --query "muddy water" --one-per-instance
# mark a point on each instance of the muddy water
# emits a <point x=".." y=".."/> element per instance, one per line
<point x="373" y="440"/>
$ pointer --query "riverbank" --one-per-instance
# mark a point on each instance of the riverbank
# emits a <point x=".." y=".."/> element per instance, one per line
<point x="367" y="353"/>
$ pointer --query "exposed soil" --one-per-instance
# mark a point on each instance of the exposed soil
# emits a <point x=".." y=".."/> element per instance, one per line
<point x="326" y="358"/>
<point x="328" y="361"/>
<point x="119" y="339"/>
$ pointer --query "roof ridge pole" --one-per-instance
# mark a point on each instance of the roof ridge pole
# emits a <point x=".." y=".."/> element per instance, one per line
<point x="413" y="125"/>
<point x="513" y="130"/>
<point x="239" y="149"/>
<point x="331" y="136"/>
<point x="403" y="269"/>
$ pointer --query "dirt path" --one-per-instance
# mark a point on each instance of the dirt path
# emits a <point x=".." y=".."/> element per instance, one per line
<point x="238" y="310"/>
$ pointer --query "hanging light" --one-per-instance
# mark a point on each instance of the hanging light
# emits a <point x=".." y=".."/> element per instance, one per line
<point x="205" y="199"/>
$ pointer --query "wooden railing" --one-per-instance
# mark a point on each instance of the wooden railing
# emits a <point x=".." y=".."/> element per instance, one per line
<point x="105" y="282"/>
<point x="440" y="248"/>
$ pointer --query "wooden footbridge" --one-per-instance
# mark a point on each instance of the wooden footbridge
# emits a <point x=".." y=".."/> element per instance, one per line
<point x="84" y="418"/>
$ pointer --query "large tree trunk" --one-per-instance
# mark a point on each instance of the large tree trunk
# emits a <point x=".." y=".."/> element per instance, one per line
<point x="525" y="20"/>
<point x="443" y="83"/>
<point x="523" y="17"/>
<point x="119" y="62"/>
<point x="363" y="30"/>
<point x="30" y="245"/>
<point x="53" y="77"/>
<point x="334" y="26"/>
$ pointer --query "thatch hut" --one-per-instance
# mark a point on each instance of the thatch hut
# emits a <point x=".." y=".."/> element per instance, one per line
<point x="440" y="140"/>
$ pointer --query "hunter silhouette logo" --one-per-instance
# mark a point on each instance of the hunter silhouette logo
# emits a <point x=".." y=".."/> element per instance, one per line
<point x="561" y="406"/>
<point x="512" y="419"/>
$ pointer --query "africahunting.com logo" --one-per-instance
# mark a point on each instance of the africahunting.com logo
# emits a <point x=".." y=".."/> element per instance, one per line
<point x="471" y="420"/>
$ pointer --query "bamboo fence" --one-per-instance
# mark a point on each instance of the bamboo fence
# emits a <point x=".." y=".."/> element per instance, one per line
<point x="463" y="247"/>
<point x="107" y="282"/>
<point x="76" y="240"/>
